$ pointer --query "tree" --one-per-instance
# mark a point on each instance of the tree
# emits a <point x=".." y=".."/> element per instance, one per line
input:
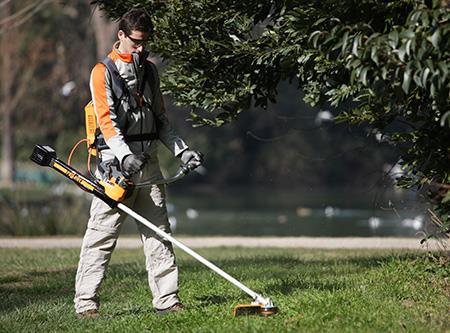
<point x="16" y="70"/>
<point x="104" y="32"/>
<point x="399" y="77"/>
<point x="382" y="63"/>
<point x="47" y="79"/>
<point x="7" y="167"/>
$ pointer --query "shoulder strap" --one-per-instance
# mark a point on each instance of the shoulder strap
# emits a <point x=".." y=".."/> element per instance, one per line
<point x="151" y="75"/>
<point x="118" y="85"/>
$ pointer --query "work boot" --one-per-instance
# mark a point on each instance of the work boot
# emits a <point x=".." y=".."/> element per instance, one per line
<point x="92" y="313"/>
<point x="177" y="307"/>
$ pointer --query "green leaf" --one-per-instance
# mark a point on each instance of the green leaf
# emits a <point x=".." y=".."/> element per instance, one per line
<point x="414" y="16"/>
<point x="304" y="58"/>
<point x="406" y="80"/>
<point x="417" y="77"/>
<point x="344" y="41"/>
<point x="352" y="76"/>
<point x="384" y="73"/>
<point x="402" y="52"/>
<point x="354" y="63"/>
<point x="374" y="54"/>
<point x="443" y="66"/>
<point x="319" y="21"/>
<point x="356" y="43"/>
<point x="393" y="39"/>
<point x="446" y="198"/>
<point x="313" y="38"/>
<point x="425" y="74"/>
<point x="435" y="38"/>
<point x="408" y="47"/>
<point x="445" y="117"/>
<point x="425" y="18"/>
<point x="408" y="34"/>
<point x="363" y="75"/>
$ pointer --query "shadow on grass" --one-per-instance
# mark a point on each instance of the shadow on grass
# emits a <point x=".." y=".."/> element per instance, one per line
<point x="279" y="274"/>
<point x="22" y="290"/>
<point x="134" y="311"/>
<point x="211" y="299"/>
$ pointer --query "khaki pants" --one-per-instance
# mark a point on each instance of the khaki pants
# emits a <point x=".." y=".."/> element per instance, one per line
<point x="100" y="240"/>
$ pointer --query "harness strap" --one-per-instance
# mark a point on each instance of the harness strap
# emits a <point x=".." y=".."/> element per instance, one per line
<point x="100" y="142"/>
<point x="118" y="85"/>
<point x="141" y="137"/>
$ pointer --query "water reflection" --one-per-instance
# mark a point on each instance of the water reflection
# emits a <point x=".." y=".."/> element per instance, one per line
<point x="416" y="223"/>
<point x="374" y="222"/>
<point x="320" y="213"/>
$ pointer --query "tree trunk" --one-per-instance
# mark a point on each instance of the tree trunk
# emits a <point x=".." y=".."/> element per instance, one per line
<point x="7" y="46"/>
<point x="105" y="33"/>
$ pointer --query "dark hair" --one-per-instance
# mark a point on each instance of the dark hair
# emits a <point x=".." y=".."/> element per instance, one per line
<point x="135" y="19"/>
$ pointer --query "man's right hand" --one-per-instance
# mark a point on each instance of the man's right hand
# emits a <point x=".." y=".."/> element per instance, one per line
<point x="134" y="163"/>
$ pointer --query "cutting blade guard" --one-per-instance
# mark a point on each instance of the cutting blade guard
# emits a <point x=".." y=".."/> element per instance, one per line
<point x="254" y="309"/>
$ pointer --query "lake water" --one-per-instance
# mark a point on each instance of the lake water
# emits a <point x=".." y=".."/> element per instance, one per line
<point x="331" y="212"/>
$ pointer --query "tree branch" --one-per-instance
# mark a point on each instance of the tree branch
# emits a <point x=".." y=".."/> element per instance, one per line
<point x="28" y="74"/>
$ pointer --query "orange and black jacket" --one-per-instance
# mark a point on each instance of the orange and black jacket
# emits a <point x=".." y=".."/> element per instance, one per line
<point x="132" y="115"/>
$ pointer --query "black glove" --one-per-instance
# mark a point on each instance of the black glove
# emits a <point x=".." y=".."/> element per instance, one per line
<point x="192" y="158"/>
<point x="134" y="163"/>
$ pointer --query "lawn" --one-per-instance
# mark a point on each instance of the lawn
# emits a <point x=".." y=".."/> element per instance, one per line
<point x="315" y="290"/>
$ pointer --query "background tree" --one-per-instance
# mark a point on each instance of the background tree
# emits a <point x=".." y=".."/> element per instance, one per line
<point x="44" y="78"/>
<point x="19" y="58"/>
<point x="105" y="32"/>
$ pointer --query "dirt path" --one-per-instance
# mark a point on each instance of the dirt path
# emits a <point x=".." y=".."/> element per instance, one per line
<point x="202" y="242"/>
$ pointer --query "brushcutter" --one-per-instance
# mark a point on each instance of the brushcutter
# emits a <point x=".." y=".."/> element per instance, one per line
<point x="114" y="190"/>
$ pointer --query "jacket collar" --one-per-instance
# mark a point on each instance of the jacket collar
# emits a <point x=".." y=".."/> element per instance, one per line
<point x="128" y="57"/>
<point x="115" y="54"/>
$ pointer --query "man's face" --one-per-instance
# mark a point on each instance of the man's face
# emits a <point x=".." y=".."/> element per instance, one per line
<point x="134" y="42"/>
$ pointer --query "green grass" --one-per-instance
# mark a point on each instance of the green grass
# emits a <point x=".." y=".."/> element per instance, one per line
<point x="315" y="290"/>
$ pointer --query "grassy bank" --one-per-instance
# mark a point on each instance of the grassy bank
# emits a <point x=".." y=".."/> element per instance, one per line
<point x="315" y="290"/>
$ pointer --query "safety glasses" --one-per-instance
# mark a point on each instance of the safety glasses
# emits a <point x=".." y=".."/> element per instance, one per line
<point x="138" y="42"/>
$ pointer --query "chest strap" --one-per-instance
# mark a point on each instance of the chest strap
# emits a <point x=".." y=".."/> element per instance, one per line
<point x="100" y="142"/>
<point x="141" y="137"/>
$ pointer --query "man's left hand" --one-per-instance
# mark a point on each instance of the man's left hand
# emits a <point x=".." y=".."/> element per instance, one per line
<point x="192" y="158"/>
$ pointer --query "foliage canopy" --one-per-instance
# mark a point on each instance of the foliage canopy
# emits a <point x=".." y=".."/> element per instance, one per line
<point x="378" y="62"/>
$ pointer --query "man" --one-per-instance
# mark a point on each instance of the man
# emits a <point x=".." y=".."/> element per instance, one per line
<point x="130" y="124"/>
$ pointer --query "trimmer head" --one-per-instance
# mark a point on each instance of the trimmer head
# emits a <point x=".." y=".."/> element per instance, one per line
<point x="258" y="309"/>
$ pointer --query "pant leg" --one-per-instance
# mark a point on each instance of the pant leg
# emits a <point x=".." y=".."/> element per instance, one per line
<point x="98" y="244"/>
<point x="160" y="258"/>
